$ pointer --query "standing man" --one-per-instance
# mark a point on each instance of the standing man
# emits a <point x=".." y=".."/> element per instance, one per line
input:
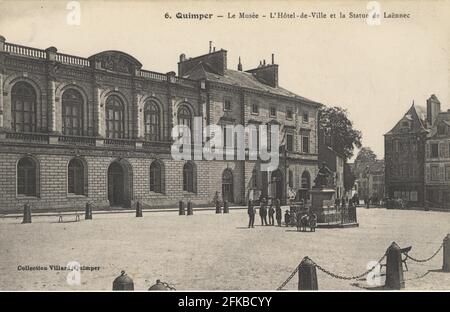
<point x="251" y="214"/>
<point x="263" y="212"/>
<point x="271" y="212"/>
<point x="278" y="211"/>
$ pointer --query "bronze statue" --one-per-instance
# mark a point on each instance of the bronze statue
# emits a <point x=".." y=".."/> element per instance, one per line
<point x="324" y="177"/>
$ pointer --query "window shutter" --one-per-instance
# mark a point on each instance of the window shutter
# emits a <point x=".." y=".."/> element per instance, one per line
<point x="427" y="150"/>
<point x="427" y="172"/>
<point x="441" y="150"/>
<point x="441" y="173"/>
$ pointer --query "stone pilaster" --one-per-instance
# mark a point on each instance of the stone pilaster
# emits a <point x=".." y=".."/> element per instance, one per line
<point x="1" y="101"/>
<point x="51" y="107"/>
<point x="99" y="114"/>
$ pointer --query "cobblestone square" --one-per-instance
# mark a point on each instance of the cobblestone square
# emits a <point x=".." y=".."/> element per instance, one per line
<point x="214" y="252"/>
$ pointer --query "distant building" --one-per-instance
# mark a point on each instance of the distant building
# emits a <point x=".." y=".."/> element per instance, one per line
<point x="405" y="153"/>
<point x="437" y="161"/>
<point x="369" y="179"/>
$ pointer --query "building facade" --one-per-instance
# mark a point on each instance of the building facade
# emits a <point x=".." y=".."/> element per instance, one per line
<point x="75" y="130"/>
<point x="437" y="162"/>
<point x="405" y="153"/>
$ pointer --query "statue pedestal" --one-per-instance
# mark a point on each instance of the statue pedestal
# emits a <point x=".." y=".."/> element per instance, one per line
<point x="322" y="199"/>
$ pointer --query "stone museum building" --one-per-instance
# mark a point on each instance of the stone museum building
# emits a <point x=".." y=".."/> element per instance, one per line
<point x="75" y="130"/>
<point x="407" y="149"/>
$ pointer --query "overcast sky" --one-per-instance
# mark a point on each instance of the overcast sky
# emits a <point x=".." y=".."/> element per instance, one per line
<point x="373" y="71"/>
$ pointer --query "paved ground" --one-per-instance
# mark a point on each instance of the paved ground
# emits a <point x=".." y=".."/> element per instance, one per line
<point x="212" y="252"/>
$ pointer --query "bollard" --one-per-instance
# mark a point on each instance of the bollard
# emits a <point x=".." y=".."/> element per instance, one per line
<point x="138" y="210"/>
<point x="123" y="282"/>
<point x="394" y="269"/>
<point x="226" y="208"/>
<point x="181" y="208"/>
<point x="307" y="275"/>
<point x="26" y="214"/>
<point x="158" y="286"/>
<point x="218" y="209"/>
<point x="446" y="262"/>
<point x="190" y="211"/>
<point x="88" y="212"/>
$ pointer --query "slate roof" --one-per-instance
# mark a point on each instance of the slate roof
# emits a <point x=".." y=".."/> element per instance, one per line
<point x="240" y="79"/>
<point x="417" y="115"/>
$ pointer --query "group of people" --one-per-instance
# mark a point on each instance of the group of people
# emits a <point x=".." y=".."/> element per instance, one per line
<point x="272" y="208"/>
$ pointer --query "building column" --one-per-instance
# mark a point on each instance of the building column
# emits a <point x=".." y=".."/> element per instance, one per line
<point x="1" y="101"/>
<point x="52" y="107"/>
<point x="99" y="114"/>
<point x="138" y="117"/>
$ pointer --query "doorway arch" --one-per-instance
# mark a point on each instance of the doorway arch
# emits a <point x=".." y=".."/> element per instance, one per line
<point x="227" y="185"/>
<point x="276" y="181"/>
<point x="120" y="188"/>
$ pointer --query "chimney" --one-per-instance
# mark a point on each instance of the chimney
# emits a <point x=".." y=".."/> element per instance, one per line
<point x="239" y="67"/>
<point x="433" y="109"/>
<point x="216" y="61"/>
<point x="267" y="74"/>
<point x="273" y="58"/>
<point x="210" y="46"/>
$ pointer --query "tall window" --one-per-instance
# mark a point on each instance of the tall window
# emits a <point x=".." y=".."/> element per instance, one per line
<point x="156" y="177"/>
<point x="290" y="142"/>
<point x="114" y="117"/>
<point x="254" y="179"/>
<point x="75" y="177"/>
<point x="23" y="107"/>
<point x="434" y="150"/>
<point x="152" y="122"/>
<point x="27" y="177"/>
<point x="189" y="177"/>
<point x="291" y="179"/>
<point x="185" y="119"/>
<point x="305" y="144"/>
<point x="72" y="112"/>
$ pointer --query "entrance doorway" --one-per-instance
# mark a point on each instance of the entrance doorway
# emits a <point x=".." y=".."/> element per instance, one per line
<point x="277" y="185"/>
<point x="117" y="193"/>
<point x="227" y="185"/>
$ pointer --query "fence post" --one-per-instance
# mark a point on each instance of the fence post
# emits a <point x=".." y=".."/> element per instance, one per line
<point x="394" y="269"/>
<point x="446" y="253"/>
<point x="88" y="212"/>
<point x="138" y="209"/>
<point x="190" y="211"/>
<point x="226" y="208"/>
<point x="218" y="209"/>
<point x="26" y="214"/>
<point x="181" y="208"/>
<point x="307" y="275"/>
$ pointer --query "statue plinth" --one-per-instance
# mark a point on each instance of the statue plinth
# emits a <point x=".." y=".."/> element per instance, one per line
<point x="322" y="198"/>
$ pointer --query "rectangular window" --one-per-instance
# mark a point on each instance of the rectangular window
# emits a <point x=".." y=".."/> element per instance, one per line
<point x="289" y="113"/>
<point x="305" y="117"/>
<point x="273" y="112"/>
<point x="447" y="173"/>
<point x="305" y="144"/>
<point x="290" y="142"/>
<point x="255" y="108"/>
<point x="434" y="150"/>
<point x="227" y="105"/>
<point x="434" y="173"/>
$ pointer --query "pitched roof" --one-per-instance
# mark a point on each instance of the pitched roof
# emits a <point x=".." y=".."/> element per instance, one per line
<point x="417" y="115"/>
<point x="442" y="118"/>
<point x="240" y="79"/>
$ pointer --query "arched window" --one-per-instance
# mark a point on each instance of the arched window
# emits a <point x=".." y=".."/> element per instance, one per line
<point x="184" y="116"/>
<point x="114" y="117"/>
<point x="23" y="107"/>
<point x="189" y="177"/>
<point x="72" y="112"/>
<point x="75" y="177"/>
<point x="152" y="122"/>
<point x="291" y="179"/>
<point x="156" y="177"/>
<point x="306" y="180"/>
<point x="227" y="185"/>
<point x="27" y="177"/>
